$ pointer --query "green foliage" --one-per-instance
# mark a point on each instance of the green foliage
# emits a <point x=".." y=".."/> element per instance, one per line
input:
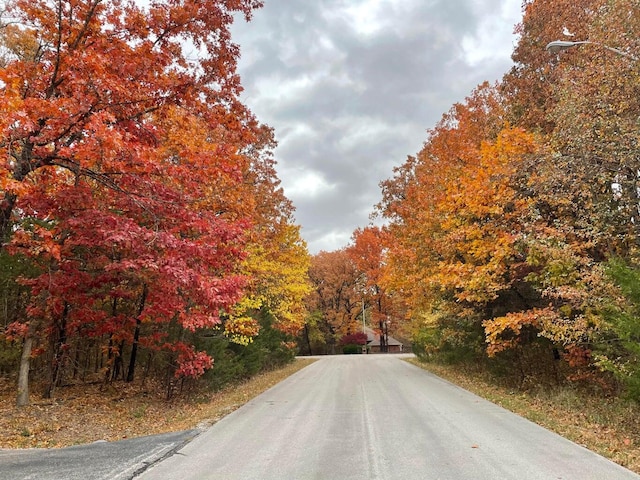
<point x="315" y="335"/>
<point x="9" y="356"/>
<point x="352" y="349"/>
<point x="620" y="354"/>
<point x="13" y="296"/>
<point x="13" y="300"/>
<point x="234" y="362"/>
<point x="451" y="340"/>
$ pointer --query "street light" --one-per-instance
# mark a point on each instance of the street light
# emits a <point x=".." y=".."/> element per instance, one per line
<point x="364" y="329"/>
<point x="560" y="45"/>
<point x="386" y="334"/>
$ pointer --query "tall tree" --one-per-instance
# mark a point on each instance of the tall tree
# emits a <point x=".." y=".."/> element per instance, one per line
<point x="529" y="84"/>
<point x="413" y="198"/>
<point x="596" y="136"/>
<point x="68" y="104"/>
<point x="123" y="179"/>
<point x="367" y="251"/>
<point x="336" y="293"/>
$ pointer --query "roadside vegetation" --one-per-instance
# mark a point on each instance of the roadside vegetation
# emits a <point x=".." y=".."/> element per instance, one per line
<point x="144" y="235"/>
<point x="86" y="413"/>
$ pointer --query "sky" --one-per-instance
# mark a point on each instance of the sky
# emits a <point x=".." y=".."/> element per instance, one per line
<point x="351" y="88"/>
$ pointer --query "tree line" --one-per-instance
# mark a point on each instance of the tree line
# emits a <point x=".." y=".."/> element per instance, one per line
<point x="511" y="238"/>
<point x="142" y="223"/>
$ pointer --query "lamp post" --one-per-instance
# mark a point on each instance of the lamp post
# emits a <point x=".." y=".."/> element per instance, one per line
<point x="386" y="334"/>
<point x="364" y="329"/>
<point x="560" y="45"/>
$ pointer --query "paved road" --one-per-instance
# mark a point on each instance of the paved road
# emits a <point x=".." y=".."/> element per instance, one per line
<point x="96" y="461"/>
<point x="377" y="417"/>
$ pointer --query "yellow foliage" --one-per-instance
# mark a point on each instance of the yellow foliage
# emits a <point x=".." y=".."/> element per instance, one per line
<point x="279" y="268"/>
<point x="241" y="330"/>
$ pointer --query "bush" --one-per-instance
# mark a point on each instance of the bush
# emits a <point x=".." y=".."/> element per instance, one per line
<point x="451" y="340"/>
<point x="619" y="352"/>
<point x="9" y="356"/>
<point x="233" y="362"/>
<point x="351" y="349"/>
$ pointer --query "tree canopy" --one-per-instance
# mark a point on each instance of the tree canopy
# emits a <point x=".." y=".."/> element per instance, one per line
<point x="511" y="236"/>
<point x="138" y="186"/>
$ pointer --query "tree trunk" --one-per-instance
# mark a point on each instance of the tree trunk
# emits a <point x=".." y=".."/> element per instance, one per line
<point x="134" y="352"/>
<point x="6" y="209"/>
<point x="25" y="164"/>
<point x="306" y="336"/>
<point x="59" y="354"/>
<point x="383" y="340"/>
<point x="23" y="374"/>
<point x="117" y="362"/>
<point x="109" y="372"/>
<point x="147" y="367"/>
<point x="136" y="336"/>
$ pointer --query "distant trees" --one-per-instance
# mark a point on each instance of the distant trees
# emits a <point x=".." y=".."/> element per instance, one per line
<point x="335" y="300"/>
<point x="347" y="284"/>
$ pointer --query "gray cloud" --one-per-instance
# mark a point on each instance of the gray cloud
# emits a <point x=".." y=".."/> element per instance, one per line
<point x="351" y="87"/>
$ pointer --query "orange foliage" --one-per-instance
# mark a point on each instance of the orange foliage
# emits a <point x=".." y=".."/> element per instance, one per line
<point x="503" y="333"/>
<point x="132" y="174"/>
<point x="336" y="291"/>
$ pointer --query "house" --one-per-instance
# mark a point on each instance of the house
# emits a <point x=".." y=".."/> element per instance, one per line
<point x="374" y="346"/>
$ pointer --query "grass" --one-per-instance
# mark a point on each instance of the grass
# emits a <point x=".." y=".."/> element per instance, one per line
<point x="608" y="426"/>
<point x="86" y="413"/>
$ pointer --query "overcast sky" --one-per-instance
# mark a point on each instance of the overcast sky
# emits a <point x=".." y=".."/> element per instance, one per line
<point x="352" y="86"/>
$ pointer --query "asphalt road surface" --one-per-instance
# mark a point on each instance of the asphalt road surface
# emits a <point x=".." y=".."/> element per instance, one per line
<point x="377" y="417"/>
<point x="121" y="460"/>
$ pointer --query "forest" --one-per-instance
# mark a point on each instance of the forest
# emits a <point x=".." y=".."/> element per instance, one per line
<point x="144" y="234"/>
<point x="510" y="240"/>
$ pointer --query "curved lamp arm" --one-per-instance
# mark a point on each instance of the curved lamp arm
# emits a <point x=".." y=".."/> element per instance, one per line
<point x="559" y="45"/>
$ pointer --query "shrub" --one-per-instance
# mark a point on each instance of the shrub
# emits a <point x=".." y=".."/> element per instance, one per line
<point x="234" y="362"/>
<point x="351" y="349"/>
<point x="620" y="353"/>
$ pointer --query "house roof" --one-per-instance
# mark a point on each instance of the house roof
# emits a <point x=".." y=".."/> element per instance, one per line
<point x="373" y="338"/>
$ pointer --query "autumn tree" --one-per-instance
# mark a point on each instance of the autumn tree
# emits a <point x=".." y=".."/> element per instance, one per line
<point x="529" y="84"/>
<point x="500" y="226"/>
<point x="69" y="105"/>
<point x="596" y="135"/>
<point x="278" y="260"/>
<point x="413" y="199"/>
<point x="585" y="186"/>
<point x="367" y="251"/>
<point x="460" y="238"/>
<point x="142" y="187"/>
<point x="336" y="294"/>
